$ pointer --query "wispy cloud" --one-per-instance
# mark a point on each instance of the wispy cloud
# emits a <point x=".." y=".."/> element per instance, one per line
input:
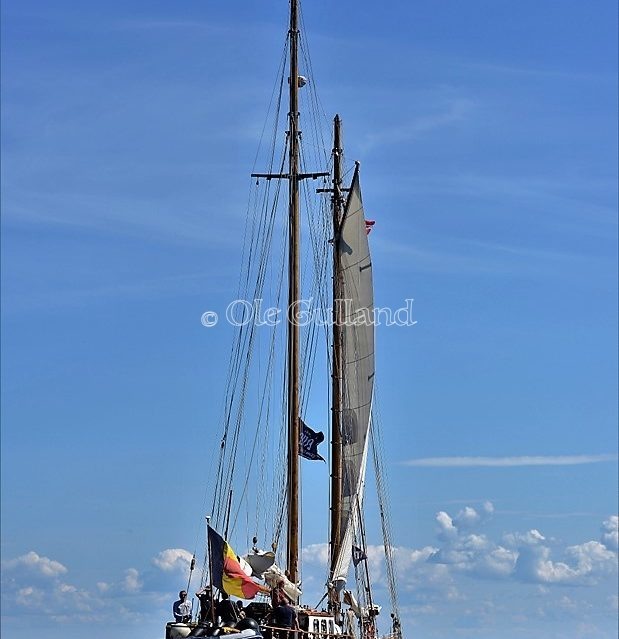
<point x="508" y="462"/>
<point x="454" y="111"/>
<point x="534" y="72"/>
<point x="24" y="301"/>
<point x="143" y="25"/>
<point x="459" y="256"/>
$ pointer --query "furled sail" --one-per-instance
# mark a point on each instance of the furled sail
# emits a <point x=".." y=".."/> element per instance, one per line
<point x="357" y="309"/>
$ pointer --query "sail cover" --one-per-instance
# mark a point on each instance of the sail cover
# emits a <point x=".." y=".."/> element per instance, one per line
<point x="357" y="310"/>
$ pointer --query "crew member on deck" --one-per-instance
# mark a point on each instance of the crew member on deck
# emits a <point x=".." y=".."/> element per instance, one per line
<point x="285" y="616"/>
<point x="182" y="608"/>
<point x="204" y="597"/>
<point x="227" y="610"/>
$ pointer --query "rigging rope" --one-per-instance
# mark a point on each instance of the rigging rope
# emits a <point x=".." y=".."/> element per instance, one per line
<point x="380" y="473"/>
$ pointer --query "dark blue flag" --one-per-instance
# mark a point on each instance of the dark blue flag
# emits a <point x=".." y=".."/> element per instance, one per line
<point x="358" y="555"/>
<point x="308" y="442"/>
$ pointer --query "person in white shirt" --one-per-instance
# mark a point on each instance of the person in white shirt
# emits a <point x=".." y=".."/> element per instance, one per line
<point x="182" y="608"/>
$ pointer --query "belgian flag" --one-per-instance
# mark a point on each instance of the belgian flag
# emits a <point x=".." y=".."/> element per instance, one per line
<point x="227" y="575"/>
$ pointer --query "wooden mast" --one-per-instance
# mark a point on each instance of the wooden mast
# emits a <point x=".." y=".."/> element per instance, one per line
<point x="293" y="297"/>
<point x="294" y="177"/>
<point x="336" y="375"/>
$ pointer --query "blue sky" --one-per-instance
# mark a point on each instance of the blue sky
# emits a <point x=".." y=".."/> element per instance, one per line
<point x="487" y="135"/>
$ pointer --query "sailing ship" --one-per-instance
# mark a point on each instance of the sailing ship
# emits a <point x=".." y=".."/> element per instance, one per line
<point x="342" y="264"/>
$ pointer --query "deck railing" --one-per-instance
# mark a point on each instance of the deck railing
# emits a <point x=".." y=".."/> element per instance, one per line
<point x="291" y="633"/>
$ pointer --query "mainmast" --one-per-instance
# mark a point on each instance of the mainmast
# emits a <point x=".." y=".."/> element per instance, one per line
<point x="293" y="297"/>
<point x="294" y="177"/>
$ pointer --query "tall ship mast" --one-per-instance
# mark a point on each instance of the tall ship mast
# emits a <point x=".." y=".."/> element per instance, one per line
<point x="271" y="580"/>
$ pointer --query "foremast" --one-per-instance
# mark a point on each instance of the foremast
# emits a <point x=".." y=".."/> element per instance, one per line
<point x="336" y="374"/>
<point x="352" y="385"/>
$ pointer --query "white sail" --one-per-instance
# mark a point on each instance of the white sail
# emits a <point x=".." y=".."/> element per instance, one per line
<point x="358" y="369"/>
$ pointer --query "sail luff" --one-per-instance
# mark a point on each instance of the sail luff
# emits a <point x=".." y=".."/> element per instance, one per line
<point x="357" y="304"/>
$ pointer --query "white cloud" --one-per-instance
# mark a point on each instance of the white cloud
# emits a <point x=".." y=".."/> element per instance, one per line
<point x="418" y="574"/>
<point x="470" y="553"/>
<point x="534" y="564"/>
<point x="316" y="554"/>
<point x="33" y="583"/>
<point x="499" y="563"/>
<point x="507" y="462"/>
<point x="592" y="557"/>
<point x="173" y="560"/>
<point x="476" y="555"/>
<point x="407" y="558"/>
<point x="475" y="542"/>
<point x="29" y="597"/>
<point x="37" y="564"/>
<point x="455" y="557"/>
<point x="530" y="538"/>
<point x="467" y="517"/>
<point x="34" y="586"/>
<point x="446" y="528"/>
<point x="585" y="563"/>
<point x="610" y="533"/>
<point x="430" y="581"/>
<point x="76" y="600"/>
<point x="66" y="588"/>
<point x="521" y="556"/>
<point x="132" y="582"/>
<point x="430" y="577"/>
